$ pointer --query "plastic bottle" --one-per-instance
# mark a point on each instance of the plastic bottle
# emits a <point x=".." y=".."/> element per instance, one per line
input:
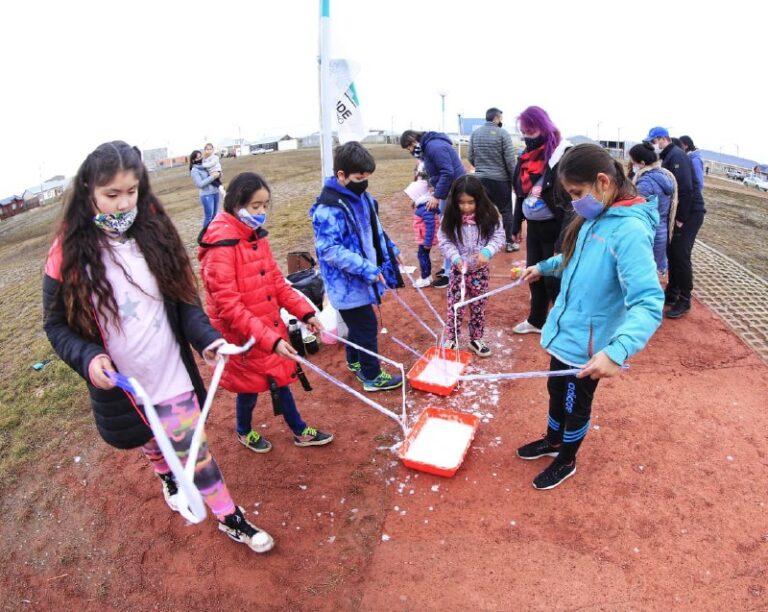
<point x="294" y="335"/>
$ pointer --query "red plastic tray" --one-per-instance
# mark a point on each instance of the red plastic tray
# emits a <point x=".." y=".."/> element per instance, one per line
<point x="418" y="368"/>
<point x="438" y="413"/>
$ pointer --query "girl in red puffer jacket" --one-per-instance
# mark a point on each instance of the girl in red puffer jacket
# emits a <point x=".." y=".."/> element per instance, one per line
<point x="244" y="292"/>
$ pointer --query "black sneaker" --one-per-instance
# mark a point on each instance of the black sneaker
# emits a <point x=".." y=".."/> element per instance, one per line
<point x="254" y="441"/>
<point x="537" y="449"/>
<point x="312" y="437"/>
<point x="441" y="282"/>
<point x="681" y="307"/>
<point x="240" y="530"/>
<point x="670" y="299"/>
<point x="480" y="347"/>
<point x="170" y="490"/>
<point x="554" y="475"/>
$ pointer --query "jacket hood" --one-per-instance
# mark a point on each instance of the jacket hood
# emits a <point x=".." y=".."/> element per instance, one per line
<point x="331" y="193"/>
<point x="228" y="230"/>
<point x="662" y="179"/>
<point x="559" y="152"/>
<point x="428" y="137"/>
<point x="696" y="154"/>
<point x="646" y="211"/>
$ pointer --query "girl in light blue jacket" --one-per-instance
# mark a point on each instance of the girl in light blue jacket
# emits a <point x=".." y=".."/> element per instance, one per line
<point x="610" y="301"/>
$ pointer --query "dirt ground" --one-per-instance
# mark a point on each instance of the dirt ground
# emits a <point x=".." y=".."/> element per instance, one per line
<point x="667" y="510"/>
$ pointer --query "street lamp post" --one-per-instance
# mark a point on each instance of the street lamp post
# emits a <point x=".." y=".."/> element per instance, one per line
<point x="618" y="144"/>
<point x="442" y="95"/>
<point x="598" y="131"/>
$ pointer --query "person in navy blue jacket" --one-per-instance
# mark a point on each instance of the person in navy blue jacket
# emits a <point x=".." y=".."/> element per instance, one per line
<point x="357" y="259"/>
<point x="688" y="220"/>
<point x="443" y="165"/>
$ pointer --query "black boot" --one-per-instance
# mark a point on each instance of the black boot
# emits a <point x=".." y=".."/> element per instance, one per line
<point x="681" y="307"/>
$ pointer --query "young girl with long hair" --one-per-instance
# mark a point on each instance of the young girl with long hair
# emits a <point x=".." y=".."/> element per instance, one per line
<point x="119" y="295"/>
<point x="470" y="234"/>
<point x="244" y="291"/>
<point x="610" y="301"/>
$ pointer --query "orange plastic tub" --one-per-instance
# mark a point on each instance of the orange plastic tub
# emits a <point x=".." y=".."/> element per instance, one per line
<point x="419" y="367"/>
<point x="439" y="441"/>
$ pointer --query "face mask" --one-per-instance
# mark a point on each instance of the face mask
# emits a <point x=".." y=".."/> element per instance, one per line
<point x="115" y="224"/>
<point x="252" y="221"/>
<point x="588" y="207"/>
<point x="198" y="161"/>
<point x="534" y="143"/>
<point x="500" y="124"/>
<point x="636" y="168"/>
<point x="657" y="149"/>
<point x="416" y="152"/>
<point x="358" y="188"/>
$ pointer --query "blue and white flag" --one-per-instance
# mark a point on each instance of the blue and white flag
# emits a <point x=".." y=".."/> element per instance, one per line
<point x="349" y="120"/>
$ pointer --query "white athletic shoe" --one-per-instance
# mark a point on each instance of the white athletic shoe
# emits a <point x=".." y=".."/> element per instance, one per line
<point x="525" y="328"/>
<point x="423" y="282"/>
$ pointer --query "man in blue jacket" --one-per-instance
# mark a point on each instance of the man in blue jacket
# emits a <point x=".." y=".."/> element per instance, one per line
<point x="443" y="166"/>
<point x="688" y="220"/>
<point x="357" y="259"/>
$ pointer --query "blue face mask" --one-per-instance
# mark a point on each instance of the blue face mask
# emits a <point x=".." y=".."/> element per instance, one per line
<point x="588" y="206"/>
<point x="252" y="221"/>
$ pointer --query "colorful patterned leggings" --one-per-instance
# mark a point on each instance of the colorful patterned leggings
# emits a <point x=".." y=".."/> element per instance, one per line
<point x="477" y="284"/>
<point x="179" y="416"/>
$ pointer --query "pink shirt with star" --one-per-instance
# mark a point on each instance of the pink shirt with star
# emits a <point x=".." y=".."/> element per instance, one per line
<point x="145" y="348"/>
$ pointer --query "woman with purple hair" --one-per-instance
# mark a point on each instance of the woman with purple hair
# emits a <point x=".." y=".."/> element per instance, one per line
<point x="542" y="204"/>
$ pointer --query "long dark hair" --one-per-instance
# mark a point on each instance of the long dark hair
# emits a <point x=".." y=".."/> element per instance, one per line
<point x="582" y="164"/>
<point x="193" y="157"/>
<point x="82" y="243"/>
<point x="486" y="213"/>
<point x="241" y="190"/>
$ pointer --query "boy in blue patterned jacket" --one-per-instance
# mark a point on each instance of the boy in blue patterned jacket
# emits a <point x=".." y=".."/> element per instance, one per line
<point x="357" y="259"/>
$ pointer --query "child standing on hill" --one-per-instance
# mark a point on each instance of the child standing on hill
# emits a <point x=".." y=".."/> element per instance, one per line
<point x="470" y="234"/>
<point x="244" y="292"/>
<point x="426" y="221"/>
<point x="609" y="305"/>
<point x="357" y="259"/>
<point x="119" y="294"/>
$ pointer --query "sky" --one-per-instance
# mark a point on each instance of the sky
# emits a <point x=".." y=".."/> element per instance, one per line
<point x="177" y="74"/>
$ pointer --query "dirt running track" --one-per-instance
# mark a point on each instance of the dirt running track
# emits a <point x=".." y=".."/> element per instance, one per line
<point x="667" y="510"/>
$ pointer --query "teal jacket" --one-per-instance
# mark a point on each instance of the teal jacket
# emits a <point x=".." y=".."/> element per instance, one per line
<point x="610" y="298"/>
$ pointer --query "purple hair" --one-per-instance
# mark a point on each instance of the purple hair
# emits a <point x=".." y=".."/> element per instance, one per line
<point x="536" y="118"/>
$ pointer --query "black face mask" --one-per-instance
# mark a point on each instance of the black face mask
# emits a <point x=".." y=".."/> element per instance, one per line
<point x="533" y="143"/>
<point x="198" y="161"/>
<point x="416" y="152"/>
<point x="358" y="188"/>
<point x="500" y="124"/>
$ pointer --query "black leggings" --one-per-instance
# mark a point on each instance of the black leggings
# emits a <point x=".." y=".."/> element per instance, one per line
<point x="570" y="409"/>
<point x="540" y="245"/>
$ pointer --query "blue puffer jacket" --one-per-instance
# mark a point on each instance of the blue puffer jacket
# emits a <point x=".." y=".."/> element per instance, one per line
<point x="610" y="299"/>
<point x="346" y="250"/>
<point x="441" y="162"/>
<point x="698" y="169"/>
<point x="655" y="182"/>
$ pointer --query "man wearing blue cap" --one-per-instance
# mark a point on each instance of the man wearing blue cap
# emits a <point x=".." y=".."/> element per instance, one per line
<point x="688" y="220"/>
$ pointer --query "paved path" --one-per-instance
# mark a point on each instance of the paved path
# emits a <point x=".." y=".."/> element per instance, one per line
<point x="735" y="294"/>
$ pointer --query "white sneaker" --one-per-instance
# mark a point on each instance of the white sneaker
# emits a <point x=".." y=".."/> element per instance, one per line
<point x="450" y="345"/>
<point x="525" y="328"/>
<point x="170" y="490"/>
<point x="423" y="282"/>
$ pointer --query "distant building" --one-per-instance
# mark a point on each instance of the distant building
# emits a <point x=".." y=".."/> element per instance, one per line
<point x="172" y="162"/>
<point x="720" y="163"/>
<point x="13" y="205"/>
<point x="47" y="191"/>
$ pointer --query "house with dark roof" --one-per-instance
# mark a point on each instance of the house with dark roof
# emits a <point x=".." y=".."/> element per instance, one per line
<point x="13" y="205"/>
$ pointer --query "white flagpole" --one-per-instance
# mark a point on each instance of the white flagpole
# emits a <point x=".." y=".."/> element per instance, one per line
<point x="326" y="101"/>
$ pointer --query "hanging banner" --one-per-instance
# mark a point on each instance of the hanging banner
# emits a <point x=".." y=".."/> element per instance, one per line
<point x="349" y="119"/>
